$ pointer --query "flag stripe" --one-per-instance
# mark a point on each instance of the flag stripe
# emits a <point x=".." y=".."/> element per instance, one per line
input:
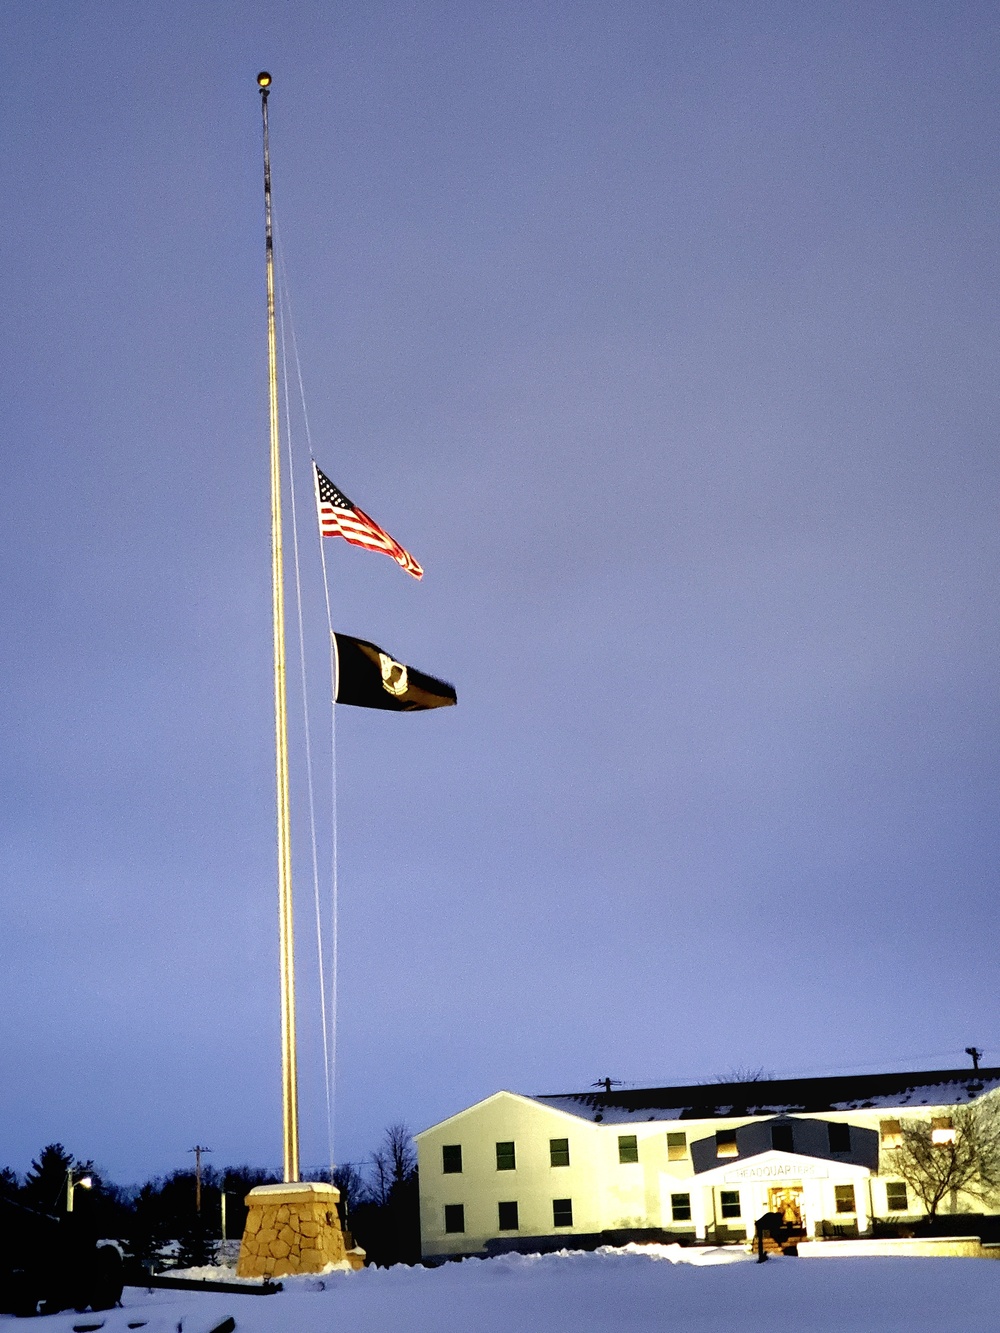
<point x="339" y="517"/>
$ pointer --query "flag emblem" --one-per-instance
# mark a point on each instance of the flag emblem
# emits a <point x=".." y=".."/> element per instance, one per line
<point x="338" y="517"/>
<point x="369" y="677"/>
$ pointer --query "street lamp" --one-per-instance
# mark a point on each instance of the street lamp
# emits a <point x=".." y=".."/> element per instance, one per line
<point x="73" y="1181"/>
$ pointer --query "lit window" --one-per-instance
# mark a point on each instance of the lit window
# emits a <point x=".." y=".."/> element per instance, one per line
<point x="680" y="1207"/>
<point x="505" y="1157"/>
<point x="559" y="1152"/>
<point x="562" y="1212"/>
<point x="454" y="1217"/>
<point x="895" y="1197"/>
<point x="942" y="1130"/>
<point x="508" y="1216"/>
<point x="844" y="1194"/>
<point x="781" y="1138"/>
<point x="892" y="1133"/>
<point x="628" y="1148"/>
<point x="677" y="1147"/>
<point x="451" y="1159"/>
<point x="730" y="1201"/>
<point x="840" y="1137"/>
<point x="725" y="1143"/>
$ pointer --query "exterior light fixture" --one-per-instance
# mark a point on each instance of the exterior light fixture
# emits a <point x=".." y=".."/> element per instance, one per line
<point x="74" y="1182"/>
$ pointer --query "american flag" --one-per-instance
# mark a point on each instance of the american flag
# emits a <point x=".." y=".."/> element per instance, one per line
<point x="338" y="517"/>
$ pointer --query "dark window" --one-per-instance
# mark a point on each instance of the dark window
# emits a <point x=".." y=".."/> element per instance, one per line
<point x="895" y="1196"/>
<point x="782" y="1139"/>
<point x="628" y="1148"/>
<point x="677" y="1147"/>
<point x="730" y="1201"/>
<point x="725" y="1143"/>
<point x="680" y="1207"/>
<point x="505" y="1157"/>
<point x="508" y="1216"/>
<point x="454" y="1217"/>
<point x="562" y="1212"/>
<point x="559" y="1152"/>
<point x="451" y="1159"/>
<point x="845" y="1198"/>
<point x="840" y="1137"/>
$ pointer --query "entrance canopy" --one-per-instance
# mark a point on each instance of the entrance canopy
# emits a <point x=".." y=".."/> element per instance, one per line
<point x="775" y="1168"/>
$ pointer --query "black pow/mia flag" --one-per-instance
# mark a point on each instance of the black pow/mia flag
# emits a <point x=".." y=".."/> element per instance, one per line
<point x="369" y="678"/>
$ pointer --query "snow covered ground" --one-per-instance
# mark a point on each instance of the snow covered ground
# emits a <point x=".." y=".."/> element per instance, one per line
<point x="663" y="1288"/>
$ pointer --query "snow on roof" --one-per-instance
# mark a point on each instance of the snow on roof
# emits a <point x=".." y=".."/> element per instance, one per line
<point x="707" y="1101"/>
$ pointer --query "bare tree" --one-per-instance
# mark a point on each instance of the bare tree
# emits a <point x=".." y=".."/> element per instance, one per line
<point x="393" y="1164"/>
<point x="745" y="1074"/>
<point x="400" y="1153"/>
<point x="938" y="1159"/>
<point x="379" y="1178"/>
<point x="351" y="1183"/>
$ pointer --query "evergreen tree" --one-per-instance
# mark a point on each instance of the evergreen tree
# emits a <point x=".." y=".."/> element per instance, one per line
<point x="196" y="1245"/>
<point x="146" y="1232"/>
<point x="238" y="1181"/>
<point x="45" y="1184"/>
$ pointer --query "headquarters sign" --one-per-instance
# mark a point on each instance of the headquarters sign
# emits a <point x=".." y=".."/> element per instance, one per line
<point x="777" y="1171"/>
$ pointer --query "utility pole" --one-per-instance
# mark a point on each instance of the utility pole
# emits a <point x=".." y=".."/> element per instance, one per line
<point x="198" y="1149"/>
<point x="976" y="1054"/>
<point x="607" y="1083"/>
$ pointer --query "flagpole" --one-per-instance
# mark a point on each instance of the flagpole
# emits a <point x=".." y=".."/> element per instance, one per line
<point x="286" y="946"/>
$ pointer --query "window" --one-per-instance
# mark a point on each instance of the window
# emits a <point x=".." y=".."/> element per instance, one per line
<point x="505" y="1157"/>
<point x="454" y="1217"/>
<point x="677" y="1147"/>
<point x="628" y="1148"/>
<point x="559" y="1152"/>
<point x="730" y="1201"/>
<point x="840" y="1137"/>
<point x="892" y="1133"/>
<point x="942" y="1129"/>
<point x="562" y="1212"/>
<point x="895" y="1197"/>
<point x="451" y="1159"/>
<point x="725" y="1143"/>
<point x="781" y="1138"/>
<point x="680" y="1207"/>
<point x="508" y="1216"/>
<point x="844" y="1194"/>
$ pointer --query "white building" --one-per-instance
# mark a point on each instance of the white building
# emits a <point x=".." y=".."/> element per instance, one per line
<point x="696" y="1163"/>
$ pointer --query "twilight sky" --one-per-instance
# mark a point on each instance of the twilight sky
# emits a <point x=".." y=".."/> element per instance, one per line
<point x="665" y="336"/>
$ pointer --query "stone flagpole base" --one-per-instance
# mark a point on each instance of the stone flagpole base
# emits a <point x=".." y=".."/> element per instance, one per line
<point x="295" y="1228"/>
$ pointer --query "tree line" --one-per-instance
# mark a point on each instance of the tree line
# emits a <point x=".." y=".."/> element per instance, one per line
<point x="160" y="1225"/>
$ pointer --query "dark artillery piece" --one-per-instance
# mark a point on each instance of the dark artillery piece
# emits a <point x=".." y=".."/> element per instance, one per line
<point x="52" y="1263"/>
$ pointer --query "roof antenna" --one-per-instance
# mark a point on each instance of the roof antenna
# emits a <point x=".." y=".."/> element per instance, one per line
<point x="608" y="1083"/>
<point x="976" y="1054"/>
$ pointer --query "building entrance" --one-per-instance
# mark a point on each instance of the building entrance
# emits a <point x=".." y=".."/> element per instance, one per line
<point x="787" y="1200"/>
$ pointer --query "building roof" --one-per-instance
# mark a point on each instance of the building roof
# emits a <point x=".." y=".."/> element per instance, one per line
<point x="848" y="1092"/>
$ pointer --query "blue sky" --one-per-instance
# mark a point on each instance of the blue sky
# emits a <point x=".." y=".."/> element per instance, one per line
<point x="665" y="336"/>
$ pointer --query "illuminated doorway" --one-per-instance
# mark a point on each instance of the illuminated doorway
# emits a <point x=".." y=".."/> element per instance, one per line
<point x="787" y="1200"/>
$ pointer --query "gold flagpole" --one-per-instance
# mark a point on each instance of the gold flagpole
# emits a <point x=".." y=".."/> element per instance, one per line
<point x="286" y="948"/>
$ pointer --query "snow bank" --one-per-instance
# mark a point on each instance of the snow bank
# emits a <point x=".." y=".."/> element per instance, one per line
<point x="637" y="1289"/>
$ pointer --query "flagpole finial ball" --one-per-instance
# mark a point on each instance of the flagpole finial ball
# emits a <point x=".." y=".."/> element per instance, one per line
<point x="263" y="79"/>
